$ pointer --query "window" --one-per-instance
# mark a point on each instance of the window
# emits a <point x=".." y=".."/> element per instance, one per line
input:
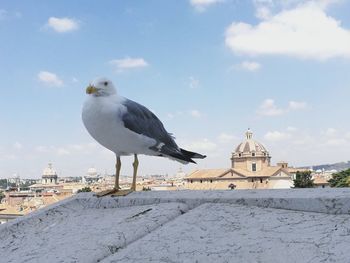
<point x="191" y="181"/>
<point x="254" y="167"/>
<point x="253" y="154"/>
<point x="260" y="180"/>
<point x="201" y="181"/>
<point x="211" y="181"/>
<point x="240" y="155"/>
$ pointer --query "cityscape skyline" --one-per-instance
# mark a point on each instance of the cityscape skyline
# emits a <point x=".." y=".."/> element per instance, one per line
<point x="208" y="70"/>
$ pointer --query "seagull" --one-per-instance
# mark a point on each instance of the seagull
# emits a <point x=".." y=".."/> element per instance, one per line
<point x="127" y="128"/>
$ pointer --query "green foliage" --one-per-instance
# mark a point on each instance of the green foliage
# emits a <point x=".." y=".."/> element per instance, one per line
<point x="3" y="184"/>
<point x="303" y="180"/>
<point x="26" y="184"/>
<point x="1" y="195"/>
<point x="341" y="179"/>
<point x="85" y="189"/>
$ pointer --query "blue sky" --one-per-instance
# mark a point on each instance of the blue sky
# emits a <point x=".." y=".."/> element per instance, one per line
<point x="208" y="68"/>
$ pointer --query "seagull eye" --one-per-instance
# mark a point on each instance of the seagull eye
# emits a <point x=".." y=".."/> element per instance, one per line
<point x="105" y="83"/>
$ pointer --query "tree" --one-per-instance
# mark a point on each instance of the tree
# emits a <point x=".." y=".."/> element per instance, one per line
<point x="303" y="180"/>
<point x="1" y="195"/>
<point x="341" y="179"/>
<point x="85" y="189"/>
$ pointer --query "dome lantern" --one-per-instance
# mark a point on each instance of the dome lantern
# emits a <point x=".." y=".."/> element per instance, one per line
<point x="249" y="134"/>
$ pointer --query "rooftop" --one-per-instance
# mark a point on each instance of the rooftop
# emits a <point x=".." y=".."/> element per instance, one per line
<point x="296" y="225"/>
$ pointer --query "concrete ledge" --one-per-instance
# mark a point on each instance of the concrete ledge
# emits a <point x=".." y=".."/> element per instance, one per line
<point x="186" y="226"/>
<point x="331" y="201"/>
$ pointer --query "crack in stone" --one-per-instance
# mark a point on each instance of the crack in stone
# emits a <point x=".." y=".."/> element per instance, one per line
<point x="139" y="214"/>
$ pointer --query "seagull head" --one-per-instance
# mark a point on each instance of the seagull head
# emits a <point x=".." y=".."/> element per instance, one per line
<point x="101" y="87"/>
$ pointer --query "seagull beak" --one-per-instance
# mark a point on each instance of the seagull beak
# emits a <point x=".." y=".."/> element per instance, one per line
<point x="91" y="89"/>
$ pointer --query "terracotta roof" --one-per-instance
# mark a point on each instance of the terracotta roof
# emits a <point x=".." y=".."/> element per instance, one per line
<point x="266" y="172"/>
<point x="207" y="173"/>
<point x="10" y="210"/>
<point x="237" y="173"/>
<point x="320" y="180"/>
<point x="294" y="170"/>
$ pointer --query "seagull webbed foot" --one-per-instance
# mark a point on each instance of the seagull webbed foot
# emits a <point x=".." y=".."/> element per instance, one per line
<point x="122" y="192"/>
<point x="107" y="192"/>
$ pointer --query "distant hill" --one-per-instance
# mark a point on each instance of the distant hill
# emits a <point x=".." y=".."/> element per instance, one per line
<point x="335" y="166"/>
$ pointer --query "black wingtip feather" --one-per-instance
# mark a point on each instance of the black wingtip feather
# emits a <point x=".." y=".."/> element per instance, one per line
<point x="181" y="156"/>
<point x="192" y="154"/>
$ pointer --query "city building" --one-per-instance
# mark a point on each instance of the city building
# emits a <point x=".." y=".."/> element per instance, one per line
<point x="91" y="176"/>
<point x="49" y="175"/>
<point x="49" y="181"/>
<point x="250" y="169"/>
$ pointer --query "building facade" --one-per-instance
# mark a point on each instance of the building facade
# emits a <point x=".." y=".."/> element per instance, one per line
<point x="49" y="175"/>
<point x="250" y="169"/>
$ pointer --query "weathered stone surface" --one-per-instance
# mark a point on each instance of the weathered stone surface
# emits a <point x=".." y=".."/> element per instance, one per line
<point x="71" y="233"/>
<point x="332" y="201"/>
<point x="307" y="225"/>
<point x="233" y="233"/>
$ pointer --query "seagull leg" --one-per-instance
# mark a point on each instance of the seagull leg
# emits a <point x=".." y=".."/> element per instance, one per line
<point x="133" y="185"/>
<point x="116" y="183"/>
<point x="135" y="165"/>
<point x="118" y="165"/>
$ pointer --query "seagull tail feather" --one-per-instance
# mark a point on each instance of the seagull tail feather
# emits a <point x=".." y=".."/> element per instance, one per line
<point x="174" y="154"/>
<point x="192" y="154"/>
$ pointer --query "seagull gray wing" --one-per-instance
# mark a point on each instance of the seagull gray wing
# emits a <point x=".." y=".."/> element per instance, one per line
<point x="141" y="120"/>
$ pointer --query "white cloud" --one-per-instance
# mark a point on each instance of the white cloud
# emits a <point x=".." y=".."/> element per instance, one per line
<point x="292" y="129"/>
<point x="295" y="105"/>
<point x="269" y="108"/>
<point x="41" y="149"/>
<point x="305" y="31"/>
<point x="202" y="5"/>
<point x="249" y="65"/>
<point x="330" y="132"/>
<point x="62" y="151"/>
<point x="277" y="136"/>
<point x="170" y="116"/>
<point x="347" y="135"/>
<point x="226" y="137"/>
<point x="3" y="14"/>
<point x="17" y="146"/>
<point x="191" y="113"/>
<point x="128" y="63"/>
<point x="63" y="24"/>
<point x="50" y="79"/>
<point x="202" y="145"/>
<point x="263" y="13"/>
<point x="195" y="114"/>
<point x="336" y="142"/>
<point x="193" y="83"/>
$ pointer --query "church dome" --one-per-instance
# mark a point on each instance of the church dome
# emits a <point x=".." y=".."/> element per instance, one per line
<point x="92" y="172"/>
<point x="250" y="146"/>
<point x="49" y="172"/>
